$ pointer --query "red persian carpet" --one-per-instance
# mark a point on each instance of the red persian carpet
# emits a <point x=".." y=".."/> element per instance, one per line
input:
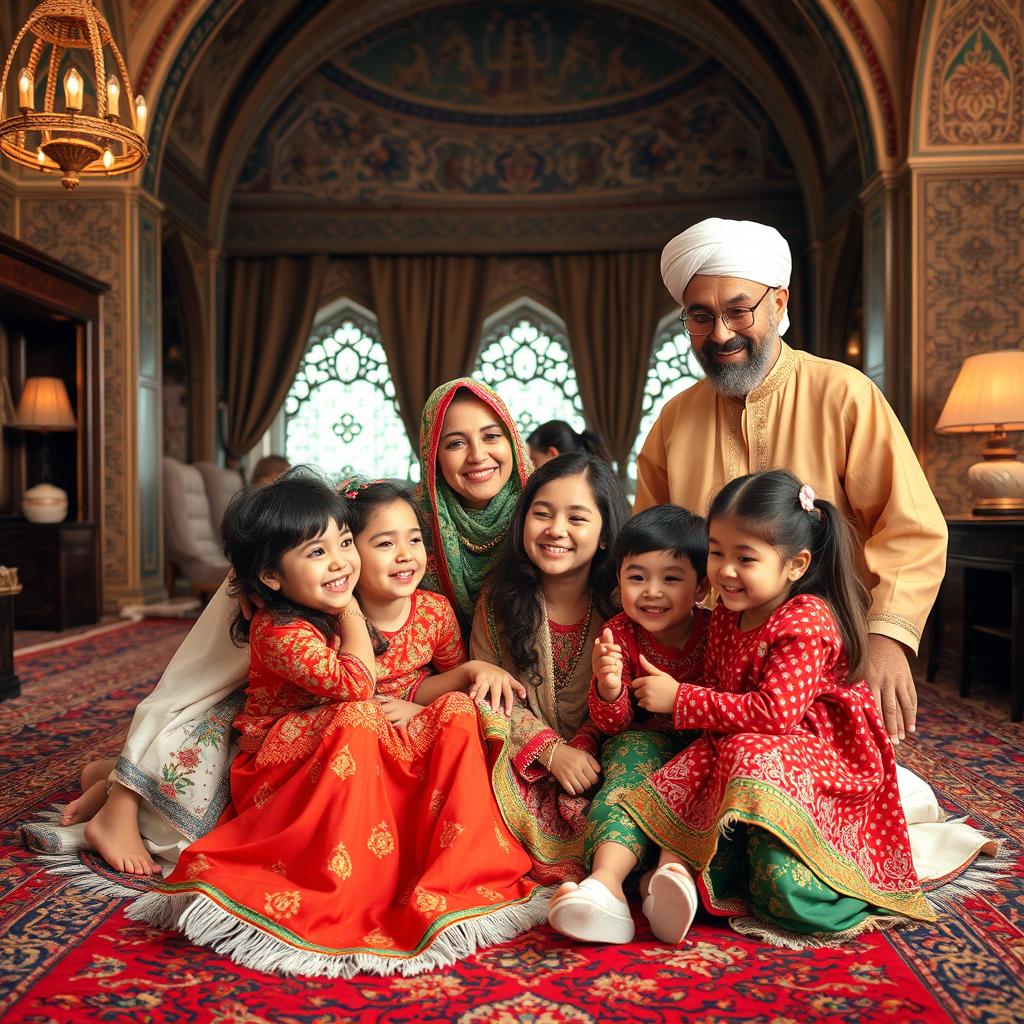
<point x="68" y="955"/>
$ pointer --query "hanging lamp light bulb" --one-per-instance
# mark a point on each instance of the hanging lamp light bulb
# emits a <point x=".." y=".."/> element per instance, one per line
<point x="71" y="141"/>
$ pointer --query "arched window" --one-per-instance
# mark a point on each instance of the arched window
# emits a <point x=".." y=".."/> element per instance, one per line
<point x="673" y="369"/>
<point x="341" y="413"/>
<point x="525" y="357"/>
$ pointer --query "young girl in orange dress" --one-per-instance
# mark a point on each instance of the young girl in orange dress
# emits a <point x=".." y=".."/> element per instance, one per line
<point x="785" y="814"/>
<point x="348" y="845"/>
<point x="541" y="611"/>
<point x="424" y="656"/>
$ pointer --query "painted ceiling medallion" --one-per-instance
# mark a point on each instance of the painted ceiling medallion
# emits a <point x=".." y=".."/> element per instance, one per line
<point x="86" y="136"/>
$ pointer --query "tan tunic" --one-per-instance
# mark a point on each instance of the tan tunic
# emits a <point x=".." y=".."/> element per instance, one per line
<point x="831" y="426"/>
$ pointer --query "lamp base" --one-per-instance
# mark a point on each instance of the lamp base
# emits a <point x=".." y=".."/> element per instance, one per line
<point x="998" y="486"/>
<point x="45" y="503"/>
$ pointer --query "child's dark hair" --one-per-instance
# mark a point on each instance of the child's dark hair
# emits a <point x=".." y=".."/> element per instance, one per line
<point x="558" y="434"/>
<point x="369" y="496"/>
<point x="664" y="528"/>
<point x="514" y="583"/>
<point x="769" y="506"/>
<point x="261" y="524"/>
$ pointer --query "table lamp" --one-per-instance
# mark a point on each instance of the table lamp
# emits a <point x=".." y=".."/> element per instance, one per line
<point x="45" y="407"/>
<point x="987" y="397"/>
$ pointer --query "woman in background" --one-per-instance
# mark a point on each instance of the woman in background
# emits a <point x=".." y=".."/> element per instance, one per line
<point x="556" y="437"/>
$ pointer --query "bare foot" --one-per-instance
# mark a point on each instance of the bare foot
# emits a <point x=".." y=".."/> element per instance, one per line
<point x="82" y="808"/>
<point x="114" y="834"/>
<point x="96" y="770"/>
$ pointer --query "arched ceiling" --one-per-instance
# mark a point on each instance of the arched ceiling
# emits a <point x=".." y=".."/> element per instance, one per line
<point x="335" y="123"/>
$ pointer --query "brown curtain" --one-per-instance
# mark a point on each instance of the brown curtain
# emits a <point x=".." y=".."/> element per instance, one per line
<point x="272" y="305"/>
<point x="610" y="302"/>
<point x="429" y="310"/>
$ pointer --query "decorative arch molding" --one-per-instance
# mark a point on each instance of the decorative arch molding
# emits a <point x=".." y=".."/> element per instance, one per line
<point x="323" y="34"/>
<point x="188" y="28"/>
<point x="867" y="85"/>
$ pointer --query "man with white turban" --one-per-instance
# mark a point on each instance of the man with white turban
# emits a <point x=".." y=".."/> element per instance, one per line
<point x="765" y="405"/>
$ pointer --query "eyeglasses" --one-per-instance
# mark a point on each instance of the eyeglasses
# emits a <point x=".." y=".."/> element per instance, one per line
<point x="735" y="318"/>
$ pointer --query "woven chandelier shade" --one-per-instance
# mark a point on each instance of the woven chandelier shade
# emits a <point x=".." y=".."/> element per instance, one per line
<point x="67" y="138"/>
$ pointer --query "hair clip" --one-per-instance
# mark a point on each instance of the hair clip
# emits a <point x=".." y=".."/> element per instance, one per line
<point x="807" y="497"/>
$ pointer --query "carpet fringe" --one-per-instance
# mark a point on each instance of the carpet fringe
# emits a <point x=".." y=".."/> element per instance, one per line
<point x="200" y="919"/>
<point x="81" y="876"/>
<point x="757" y="929"/>
<point x="980" y="878"/>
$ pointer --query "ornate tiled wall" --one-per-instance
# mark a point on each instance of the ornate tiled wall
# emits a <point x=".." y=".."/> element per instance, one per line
<point x="968" y="213"/>
<point x="971" y="255"/>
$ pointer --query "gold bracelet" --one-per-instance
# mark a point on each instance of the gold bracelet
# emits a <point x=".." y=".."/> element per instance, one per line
<point x="351" y="613"/>
<point x="551" y="748"/>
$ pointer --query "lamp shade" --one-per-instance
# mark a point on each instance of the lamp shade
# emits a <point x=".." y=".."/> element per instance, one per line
<point x="987" y="395"/>
<point x="44" y="405"/>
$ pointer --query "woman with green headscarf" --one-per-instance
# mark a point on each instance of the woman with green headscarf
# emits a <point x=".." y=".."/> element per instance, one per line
<point x="472" y="468"/>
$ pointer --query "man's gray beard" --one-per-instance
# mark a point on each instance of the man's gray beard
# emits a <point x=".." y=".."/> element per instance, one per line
<point x="738" y="380"/>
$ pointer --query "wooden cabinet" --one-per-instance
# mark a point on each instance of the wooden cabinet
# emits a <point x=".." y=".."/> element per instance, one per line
<point x="51" y="325"/>
<point x="980" y="609"/>
<point x="60" y="580"/>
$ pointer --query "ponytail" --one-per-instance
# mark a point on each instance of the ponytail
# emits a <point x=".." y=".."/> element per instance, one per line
<point x="833" y="575"/>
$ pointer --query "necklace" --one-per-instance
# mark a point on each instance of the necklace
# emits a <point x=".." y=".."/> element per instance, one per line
<point x="482" y="549"/>
<point x="565" y="666"/>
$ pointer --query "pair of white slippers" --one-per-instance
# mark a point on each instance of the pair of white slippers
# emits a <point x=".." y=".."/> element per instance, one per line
<point x="590" y="913"/>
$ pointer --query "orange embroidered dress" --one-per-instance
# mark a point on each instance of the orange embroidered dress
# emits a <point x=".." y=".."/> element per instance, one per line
<point x="792" y="748"/>
<point x="350" y="846"/>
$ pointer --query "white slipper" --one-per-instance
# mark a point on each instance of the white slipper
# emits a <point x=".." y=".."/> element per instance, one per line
<point x="671" y="903"/>
<point x="590" y="913"/>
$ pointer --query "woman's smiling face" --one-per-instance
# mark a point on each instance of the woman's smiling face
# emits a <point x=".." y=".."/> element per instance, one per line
<point x="475" y="454"/>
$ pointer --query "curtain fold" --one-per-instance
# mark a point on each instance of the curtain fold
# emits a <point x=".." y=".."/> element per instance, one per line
<point x="430" y="310"/>
<point x="610" y="303"/>
<point x="273" y="302"/>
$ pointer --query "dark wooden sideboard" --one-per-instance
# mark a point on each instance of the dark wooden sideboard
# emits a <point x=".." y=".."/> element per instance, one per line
<point x="980" y="609"/>
<point x="60" y="580"/>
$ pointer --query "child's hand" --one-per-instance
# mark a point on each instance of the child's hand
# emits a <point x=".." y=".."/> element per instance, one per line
<point x="656" y="691"/>
<point x="398" y="712"/>
<point x="494" y="685"/>
<point x="575" y="770"/>
<point x="606" y="661"/>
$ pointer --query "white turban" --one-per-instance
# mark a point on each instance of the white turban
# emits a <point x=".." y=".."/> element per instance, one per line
<point x="727" y="248"/>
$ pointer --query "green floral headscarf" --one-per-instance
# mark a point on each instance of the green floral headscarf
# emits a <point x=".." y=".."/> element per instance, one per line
<point x="455" y="569"/>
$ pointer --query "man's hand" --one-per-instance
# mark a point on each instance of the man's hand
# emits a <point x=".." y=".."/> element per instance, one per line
<point x="493" y="684"/>
<point x="575" y="770"/>
<point x="892" y="685"/>
<point x="606" y="662"/>
<point x="398" y="712"/>
<point x="656" y="691"/>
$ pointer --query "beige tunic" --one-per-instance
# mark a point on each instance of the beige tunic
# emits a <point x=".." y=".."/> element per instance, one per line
<point x="831" y="426"/>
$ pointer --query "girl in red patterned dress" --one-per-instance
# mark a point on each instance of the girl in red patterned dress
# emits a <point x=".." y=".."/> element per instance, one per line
<point x="787" y="807"/>
<point x="424" y="657"/>
<point x="348" y="845"/>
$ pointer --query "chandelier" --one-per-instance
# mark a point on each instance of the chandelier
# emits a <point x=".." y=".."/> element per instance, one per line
<point x="86" y="136"/>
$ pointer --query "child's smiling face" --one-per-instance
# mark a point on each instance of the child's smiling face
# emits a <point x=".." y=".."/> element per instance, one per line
<point x="392" y="553"/>
<point x="562" y="530"/>
<point x="658" y="591"/>
<point x="320" y="573"/>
